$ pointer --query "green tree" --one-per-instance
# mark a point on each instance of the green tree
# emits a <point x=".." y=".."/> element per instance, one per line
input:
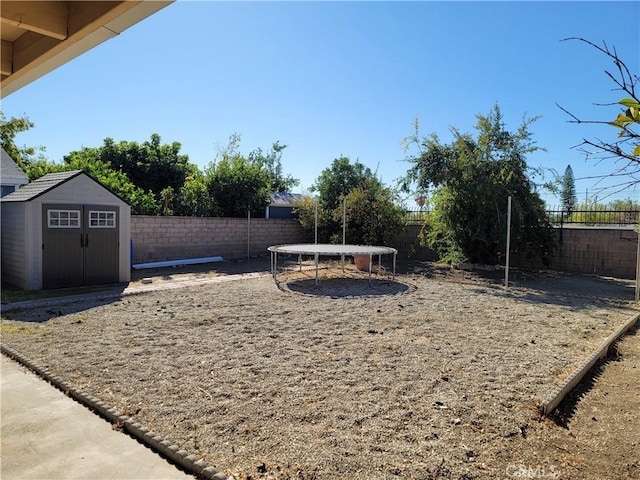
<point x="374" y="214"/>
<point x="237" y="184"/>
<point x="339" y="179"/>
<point x="625" y="150"/>
<point x="36" y="165"/>
<point x="151" y="165"/>
<point x="23" y="156"/>
<point x="193" y="198"/>
<point x="373" y="211"/>
<point x="472" y="179"/>
<point x="272" y="163"/>
<point x="142" y="203"/>
<point x="568" y="192"/>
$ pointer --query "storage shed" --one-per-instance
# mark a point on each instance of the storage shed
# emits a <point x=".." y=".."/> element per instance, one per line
<point x="65" y="230"/>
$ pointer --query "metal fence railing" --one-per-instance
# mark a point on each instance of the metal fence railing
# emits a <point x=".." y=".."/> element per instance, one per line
<point x="597" y="217"/>
<point x="414" y="217"/>
<point x="594" y="217"/>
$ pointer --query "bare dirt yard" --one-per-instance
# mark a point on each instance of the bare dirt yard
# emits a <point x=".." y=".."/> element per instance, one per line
<point x="437" y="374"/>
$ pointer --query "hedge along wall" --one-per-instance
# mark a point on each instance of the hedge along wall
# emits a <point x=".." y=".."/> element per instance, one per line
<point x="592" y="250"/>
<point x="174" y="238"/>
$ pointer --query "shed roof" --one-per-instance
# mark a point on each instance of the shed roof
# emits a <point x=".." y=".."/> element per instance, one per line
<point x="9" y="170"/>
<point x="40" y="186"/>
<point x="47" y="183"/>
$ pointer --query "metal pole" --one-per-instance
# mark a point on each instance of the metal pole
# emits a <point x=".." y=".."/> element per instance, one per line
<point x="316" y="220"/>
<point x="394" y="265"/>
<point x="248" y="231"/>
<point x="638" y="269"/>
<point x="344" y="227"/>
<point x="506" y="270"/>
<point x="344" y="222"/>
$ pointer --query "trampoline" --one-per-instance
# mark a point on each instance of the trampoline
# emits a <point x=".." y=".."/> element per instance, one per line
<point x="328" y="250"/>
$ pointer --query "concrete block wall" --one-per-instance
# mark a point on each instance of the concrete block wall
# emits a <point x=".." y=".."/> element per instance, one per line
<point x="596" y="250"/>
<point x="590" y="250"/>
<point x="173" y="238"/>
<point x="408" y="245"/>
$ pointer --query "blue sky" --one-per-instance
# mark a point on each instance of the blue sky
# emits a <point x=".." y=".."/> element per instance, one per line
<point x="339" y="78"/>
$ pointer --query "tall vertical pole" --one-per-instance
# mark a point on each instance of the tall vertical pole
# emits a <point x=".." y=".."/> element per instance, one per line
<point x="506" y="270"/>
<point x="344" y="222"/>
<point x="344" y="227"/>
<point x="316" y="220"/>
<point x="638" y="269"/>
<point x="248" y="232"/>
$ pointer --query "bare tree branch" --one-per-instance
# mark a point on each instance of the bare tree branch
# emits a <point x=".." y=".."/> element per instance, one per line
<point x="625" y="149"/>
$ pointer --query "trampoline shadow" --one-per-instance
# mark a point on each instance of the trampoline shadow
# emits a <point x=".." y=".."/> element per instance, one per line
<point x="345" y="287"/>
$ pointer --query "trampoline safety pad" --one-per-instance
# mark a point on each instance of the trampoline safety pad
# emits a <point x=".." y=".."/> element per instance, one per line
<point x="329" y="250"/>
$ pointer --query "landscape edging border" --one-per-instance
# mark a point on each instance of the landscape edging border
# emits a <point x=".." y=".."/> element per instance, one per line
<point x="161" y="446"/>
<point x="554" y="399"/>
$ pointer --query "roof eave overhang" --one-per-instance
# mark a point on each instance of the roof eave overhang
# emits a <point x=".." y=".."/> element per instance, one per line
<point x="110" y="24"/>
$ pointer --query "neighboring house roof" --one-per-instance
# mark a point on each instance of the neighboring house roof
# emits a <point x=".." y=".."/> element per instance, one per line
<point x="10" y="172"/>
<point x="47" y="183"/>
<point x="281" y="199"/>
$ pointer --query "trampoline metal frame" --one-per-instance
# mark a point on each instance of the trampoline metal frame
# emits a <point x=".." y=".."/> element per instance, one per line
<point x="319" y="249"/>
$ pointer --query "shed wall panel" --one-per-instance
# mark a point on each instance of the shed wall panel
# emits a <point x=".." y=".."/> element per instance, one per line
<point x="13" y="244"/>
<point x="125" y="243"/>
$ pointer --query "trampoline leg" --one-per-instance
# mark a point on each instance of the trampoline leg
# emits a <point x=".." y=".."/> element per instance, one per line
<point x="274" y="265"/>
<point x="370" y="261"/>
<point x="394" y="266"/>
<point x="316" y="269"/>
<point x="300" y="263"/>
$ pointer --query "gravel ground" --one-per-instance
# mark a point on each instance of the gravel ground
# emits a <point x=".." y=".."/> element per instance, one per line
<point x="433" y="375"/>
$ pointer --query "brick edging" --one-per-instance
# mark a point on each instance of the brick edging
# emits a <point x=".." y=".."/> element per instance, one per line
<point x="163" y="447"/>
<point x="554" y="399"/>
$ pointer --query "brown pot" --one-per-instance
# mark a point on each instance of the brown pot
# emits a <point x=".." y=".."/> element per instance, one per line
<point x="362" y="262"/>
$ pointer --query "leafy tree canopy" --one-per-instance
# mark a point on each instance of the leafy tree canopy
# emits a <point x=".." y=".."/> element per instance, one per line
<point x="193" y="197"/>
<point x="272" y="163"/>
<point x="237" y="184"/>
<point x="23" y="155"/>
<point x="88" y="160"/>
<point x="151" y="165"/>
<point x="472" y="178"/>
<point x="339" y="179"/>
<point x="374" y="214"/>
<point x="373" y="211"/>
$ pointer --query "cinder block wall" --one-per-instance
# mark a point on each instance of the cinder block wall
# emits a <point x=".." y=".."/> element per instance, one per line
<point x="591" y="250"/>
<point x="408" y="245"/>
<point x="596" y="250"/>
<point x="173" y="238"/>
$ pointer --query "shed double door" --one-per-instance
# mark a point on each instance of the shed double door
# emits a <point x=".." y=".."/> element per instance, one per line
<point x="80" y="245"/>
